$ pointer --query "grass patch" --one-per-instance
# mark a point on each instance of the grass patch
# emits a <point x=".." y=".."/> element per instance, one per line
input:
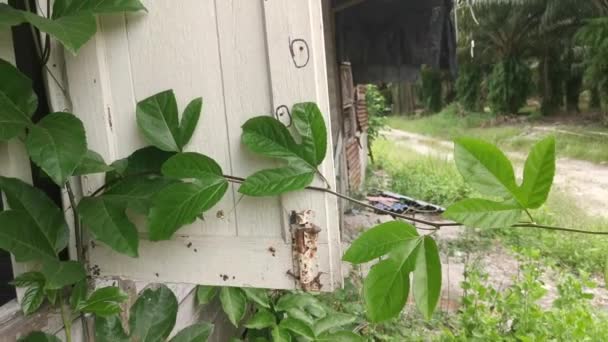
<point x="578" y="252"/>
<point x="426" y="178"/>
<point x="572" y="141"/>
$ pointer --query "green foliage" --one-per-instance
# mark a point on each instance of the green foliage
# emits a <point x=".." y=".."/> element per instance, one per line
<point x="594" y="37"/>
<point x="205" y="294"/>
<point x="515" y="314"/>
<point x="387" y="285"/>
<point x="432" y="91"/>
<point x="153" y="315"/>
<point x="59" y="274"/>
<point x="103" y="302"/>
<point x="284" y="316"/>
<point x="194" y="333"/>
<point x="17" y="100"/>
<point x="509" y="86"/>
<point x="34" y="228"/>
<point x="108" y="221"/>
<point x="468" y="86"/>
<point x="37" y="336"/>
<point x="32" y="299"/>
<point x="267" y="136"/>
<point x="73" y="22"/>
<point x="109" y="329"/>
<point x="157" y="118"/>
<point x="489" y="172"/>
<point x="180" y="204"/>
<point x="430" y="179"/>
<point x="378" y="109"/>
<point x="234" y="303"/>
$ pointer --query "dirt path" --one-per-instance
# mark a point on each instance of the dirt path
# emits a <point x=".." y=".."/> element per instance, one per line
<point x="586" y="182"/>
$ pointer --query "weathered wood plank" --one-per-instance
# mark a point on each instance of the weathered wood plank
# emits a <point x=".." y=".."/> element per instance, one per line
<point x="296" y="55"/>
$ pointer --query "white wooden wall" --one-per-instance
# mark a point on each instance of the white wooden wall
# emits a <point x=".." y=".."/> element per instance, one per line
<point x="237" y="55"/>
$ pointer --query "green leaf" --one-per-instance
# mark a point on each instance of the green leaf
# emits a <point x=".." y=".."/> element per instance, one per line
<point x="205" y="294"/>
<point x="485" y="168"/>
<point x="9" y="17"/>
<point x="258" y="296"/>
<point x="21" y="237"/>
<point x="28" y="279"/>
<point x="109" y="329"/>
<point x="62" y="273"/>
<point x="385" y="290"/>
<point x="280" y="334"/>
<point x="48" y="220"/>
<point x="538" y="174"/>
<point x="310" y="124"/>
<point x="332" y="321"/>
<point x="147" y="160"/>
<point x="199" y="332"/>
<point x="157" y="118"/>
<point x="153" y="315"/>
<point x="192" y="165"/>
<point x="301" y="315"/>
<point x="91" y="163"/>
<point x="180" y="204"/>
<point x="107" y="220"/>
<point x="63" y="8"/>
<point x="340" y="336"/>
<point x="297" y="327"/>
<point x="38" y="336"/>
<point x="189" y="120"/>
<point x="269" y="137"/>
<point x="79" y="293"/>
<point x="72" y="31"/>
<point x="302" y="301"/>
<point x="32" y="300"/>
<point x="261" y="320"/>
<point x="234" y="303"/>
<point x="481" y="213"/>
<point x="104" y="302"/>
<point x="17" y="98"/>
<point x="51" y="295"/>
<point x="427" y="277"/>
<point x="378" y="241"/>
<point x="136" y="193"/>
<point x="57" y="144"/>
<point x="274" y="182"/>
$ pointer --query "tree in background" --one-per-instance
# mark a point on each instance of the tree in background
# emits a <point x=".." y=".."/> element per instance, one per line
<point x="431" y="91"/>
<point x="593" y="37"/>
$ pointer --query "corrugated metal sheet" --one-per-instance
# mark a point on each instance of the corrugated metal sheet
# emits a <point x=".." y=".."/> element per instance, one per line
<point x="361" y="105"/>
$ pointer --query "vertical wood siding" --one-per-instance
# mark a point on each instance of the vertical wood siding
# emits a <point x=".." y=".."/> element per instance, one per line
<point x="245" y="58"/>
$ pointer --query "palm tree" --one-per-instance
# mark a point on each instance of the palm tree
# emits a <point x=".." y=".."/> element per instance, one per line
<point x="509" y="33"/>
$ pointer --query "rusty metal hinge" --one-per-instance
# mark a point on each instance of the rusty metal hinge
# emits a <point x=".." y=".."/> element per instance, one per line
<point x="305" y="236"/>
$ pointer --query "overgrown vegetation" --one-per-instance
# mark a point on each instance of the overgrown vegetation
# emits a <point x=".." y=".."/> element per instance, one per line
<point x="430" y="179"/>
<point x="573" y="141"/>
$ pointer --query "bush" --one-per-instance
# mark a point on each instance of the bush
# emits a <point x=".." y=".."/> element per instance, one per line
<point x="425" y="178"/>
<point x="431" y="90"/>
<point x="515" y="315"/>
<point x="468" y="86"/>
<point x="378" y="109"/>
<point x="509" y="86"/>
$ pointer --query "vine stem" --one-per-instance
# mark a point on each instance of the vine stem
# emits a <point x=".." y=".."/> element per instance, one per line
<point x="66" y="320"/>
<point x="78" y="233"/>
<point x="77" y="226"/>
<point x="434" y="225"/>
